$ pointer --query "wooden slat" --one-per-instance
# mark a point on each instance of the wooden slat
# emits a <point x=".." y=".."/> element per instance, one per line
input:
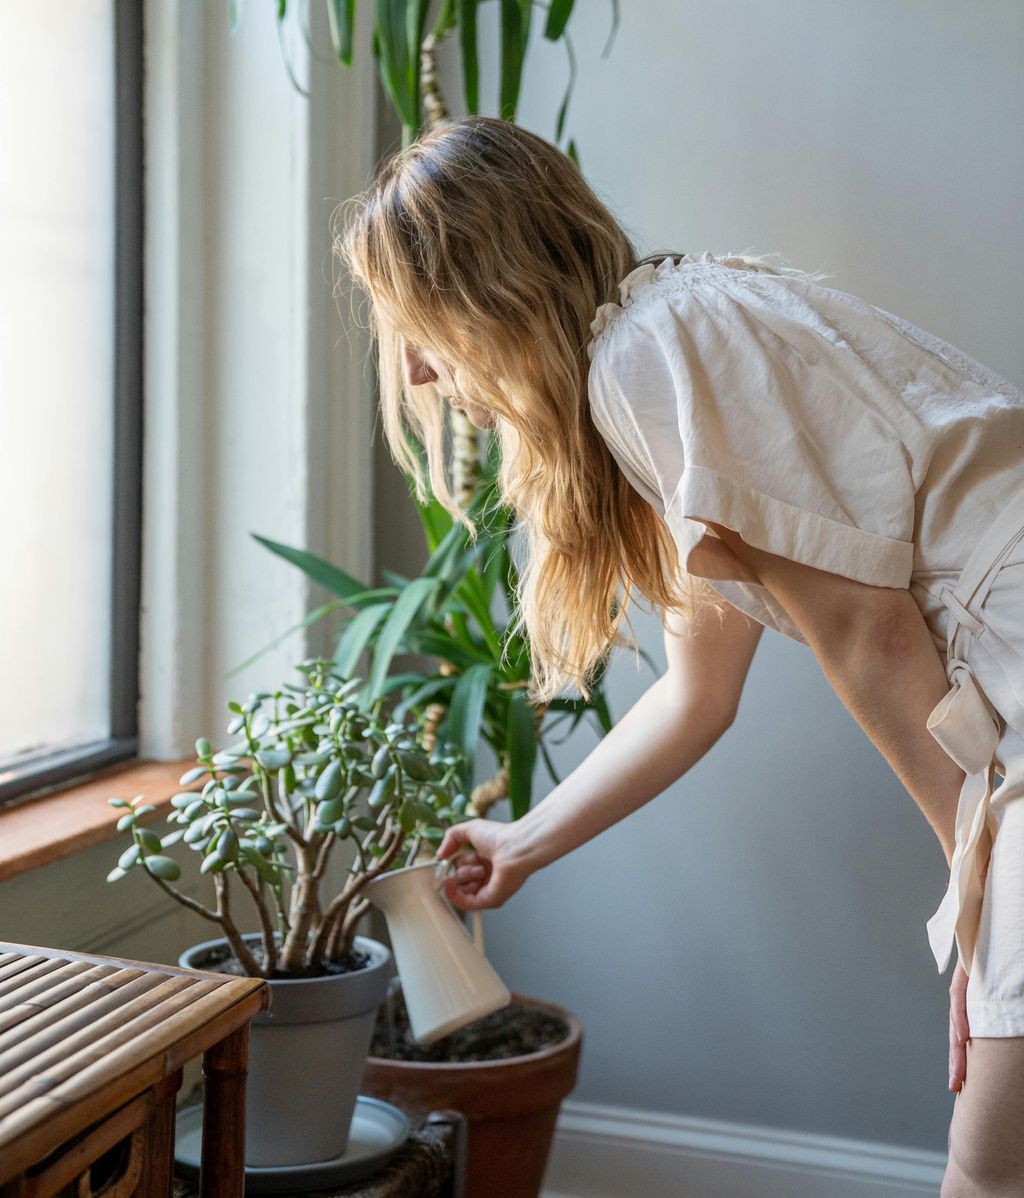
<point x="16" y="966"/>
<point x="65" y="993"/>
<point x="38" y="975"/>
<point x="86" y="1092"/>
<point x="92" y="1040"/>
<point x="51" y="1022"/>
<point x="225" y="979"/>
<point x="163" y="1027"/>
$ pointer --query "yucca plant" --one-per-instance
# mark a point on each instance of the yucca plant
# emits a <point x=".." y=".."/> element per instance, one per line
<point x="315" y="766"/>
<point x="405" y="40"/>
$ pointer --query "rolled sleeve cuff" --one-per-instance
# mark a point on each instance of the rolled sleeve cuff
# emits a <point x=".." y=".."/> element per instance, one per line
<point x="778" y="527"/>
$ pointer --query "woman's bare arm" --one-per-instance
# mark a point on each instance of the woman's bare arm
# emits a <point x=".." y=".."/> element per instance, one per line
<point x="667" y="731"/>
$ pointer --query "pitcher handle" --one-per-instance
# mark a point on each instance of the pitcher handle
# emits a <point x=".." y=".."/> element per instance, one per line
<point x="475" y="917"/>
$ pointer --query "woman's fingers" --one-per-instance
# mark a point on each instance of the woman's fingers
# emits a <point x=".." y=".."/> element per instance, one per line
<point x="959" y="1031"/>
<point x="472" y="897"/>
<point x="454" y="837"/>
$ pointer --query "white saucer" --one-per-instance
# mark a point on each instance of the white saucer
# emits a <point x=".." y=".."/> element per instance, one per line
<point x="377" y="1129"/>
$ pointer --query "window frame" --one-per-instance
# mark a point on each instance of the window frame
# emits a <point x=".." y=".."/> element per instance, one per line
<point x="41" y="775"/>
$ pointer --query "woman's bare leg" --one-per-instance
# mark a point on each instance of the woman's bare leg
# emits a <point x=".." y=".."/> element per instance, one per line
<point x="986" y="1135"/>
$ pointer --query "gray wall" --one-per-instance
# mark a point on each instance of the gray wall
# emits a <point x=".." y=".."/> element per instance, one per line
<point x="751" y="944"/>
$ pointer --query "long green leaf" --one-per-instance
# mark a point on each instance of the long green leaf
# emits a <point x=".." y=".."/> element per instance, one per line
<point x="446" y="19"/>
<point x="515" y="29"/>
<point x="470" y="590"/>
<point x="403" y="612"/>
<point x="357" y="635"/>
<point x="395" y="682"/>
<point x="521" y="746"/>
<point x="341" y="16"/>
<point x="466" y="10"/>
<point x="459" y="653"/>
<point x="563" y="107"/>
<point x="429" y="689"/>
<point x="462" y="724"/>
<point x="549" y="763"/>
<point x="558" y="15"/>
<point x="599" y="705"/>
<point x="399" y="25"/>
<point x="493" y="557"/>
<point x="439" y="564"/>
<point x="334" y="579"/>
<point x="436" y="522"/>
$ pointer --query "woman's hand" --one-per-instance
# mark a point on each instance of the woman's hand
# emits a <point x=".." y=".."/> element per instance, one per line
<point x="959" y="1032"/>
<point x="959" y="1029"/>
<point x="488" y="872"/>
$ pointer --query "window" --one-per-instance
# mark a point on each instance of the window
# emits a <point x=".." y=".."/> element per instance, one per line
<point x="70" y="389"/>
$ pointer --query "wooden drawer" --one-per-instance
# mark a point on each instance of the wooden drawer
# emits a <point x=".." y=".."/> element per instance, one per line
<point x="121" y="1156"/>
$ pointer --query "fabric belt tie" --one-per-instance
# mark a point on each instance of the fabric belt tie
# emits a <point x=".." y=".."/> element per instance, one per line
<point x="964" y="727"/>
<point x="969" y="729"/>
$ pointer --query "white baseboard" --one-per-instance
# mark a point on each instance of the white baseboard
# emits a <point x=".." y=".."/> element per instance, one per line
<point x="616" y="1152"/>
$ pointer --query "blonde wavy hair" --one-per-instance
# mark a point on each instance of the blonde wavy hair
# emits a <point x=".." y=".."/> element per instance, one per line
<point x="482" y="243"/>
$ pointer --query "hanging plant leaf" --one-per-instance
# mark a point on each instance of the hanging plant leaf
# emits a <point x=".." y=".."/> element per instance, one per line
<point x="558" y="15"/>
<point x="515" y="32"/>
<point x="466" y="10"/>
<point x="341" y="16"/>
<point x="399" y="27"/>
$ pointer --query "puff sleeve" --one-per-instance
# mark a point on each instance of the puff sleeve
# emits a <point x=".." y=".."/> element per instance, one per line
<point x="734" y="399"/>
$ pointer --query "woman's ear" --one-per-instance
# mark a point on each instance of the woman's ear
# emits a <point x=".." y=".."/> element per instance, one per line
<point x="416" y="369"/>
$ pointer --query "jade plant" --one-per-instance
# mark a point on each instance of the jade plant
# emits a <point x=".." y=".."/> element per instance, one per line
<point x="316" y="766"/>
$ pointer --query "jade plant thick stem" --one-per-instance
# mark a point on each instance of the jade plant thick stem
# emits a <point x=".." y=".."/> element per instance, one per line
<point x="315" y="767"/>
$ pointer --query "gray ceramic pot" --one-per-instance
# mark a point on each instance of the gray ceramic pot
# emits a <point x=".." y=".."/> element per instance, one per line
<point x="307" y="1052"/>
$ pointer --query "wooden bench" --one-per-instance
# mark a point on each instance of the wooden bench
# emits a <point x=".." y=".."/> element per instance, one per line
<point x="91" y="1056"/>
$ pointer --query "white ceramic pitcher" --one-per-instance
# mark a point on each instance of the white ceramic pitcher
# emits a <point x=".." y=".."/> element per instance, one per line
<point x="446" y="979"/>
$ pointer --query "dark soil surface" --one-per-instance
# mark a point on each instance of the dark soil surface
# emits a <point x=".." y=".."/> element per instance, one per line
<point x="221" y="961"/>
<point x="511" y="1032"/>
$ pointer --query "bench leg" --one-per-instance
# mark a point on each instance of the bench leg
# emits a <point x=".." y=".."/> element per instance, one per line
<point x="222" y="1167"/>
<point x="156" y="1179"/>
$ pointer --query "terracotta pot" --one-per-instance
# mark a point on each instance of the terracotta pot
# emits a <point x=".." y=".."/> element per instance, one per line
<point x="510" y="1105"/>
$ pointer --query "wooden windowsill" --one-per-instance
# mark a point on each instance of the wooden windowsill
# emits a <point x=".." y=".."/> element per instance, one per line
<point x="56" y="825"/>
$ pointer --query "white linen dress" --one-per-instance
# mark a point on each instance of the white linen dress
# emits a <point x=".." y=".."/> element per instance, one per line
<point x="833" y="433"/>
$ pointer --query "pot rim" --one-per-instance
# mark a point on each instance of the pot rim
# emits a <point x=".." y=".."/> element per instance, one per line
<point x="569" y="1044"/>
<point x="382" y="961"/>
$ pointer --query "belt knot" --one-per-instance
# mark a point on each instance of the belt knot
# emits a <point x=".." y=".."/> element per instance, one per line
<point x="962" y="723"/>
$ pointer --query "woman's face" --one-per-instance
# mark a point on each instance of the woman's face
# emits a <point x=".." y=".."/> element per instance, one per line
<point x="421" y="366"/>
